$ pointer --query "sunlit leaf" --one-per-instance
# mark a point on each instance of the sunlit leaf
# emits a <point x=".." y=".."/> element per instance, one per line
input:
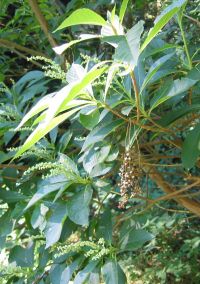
<point x="82" y="17"/>
<point x="123" y="10"/>
<point x="162" y="20"/>
<point x="128" y="47"/>
<point x="39" y="132"/>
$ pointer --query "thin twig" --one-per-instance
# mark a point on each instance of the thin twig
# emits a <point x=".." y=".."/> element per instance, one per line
<point x="137" y="96"/>
<point x="12" y="45"/>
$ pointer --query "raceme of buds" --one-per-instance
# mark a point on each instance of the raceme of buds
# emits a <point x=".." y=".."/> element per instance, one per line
<point x="129" y="183"/>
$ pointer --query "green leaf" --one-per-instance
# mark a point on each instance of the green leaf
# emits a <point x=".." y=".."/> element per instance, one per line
<point x="64" y="141"/>
<point x="94" y="277"/>
<point x="68" y="163"/>
<point x="135" y="239"/>
<point x="71" y="91"/>
<point x="111" y="73"/>
<point x="100" y="169"/>
<point x="61" y="48"/>
<point x="38" y="216"/>
<point x="23" y="257"/>
<point x="100" y="132"/>
<point x="61" y="274"/>
<point x="78" y="206"/>
<point x="40" y="106"/>
<point x="154" y="68"/>
<point x="123" y="10"/>
<point x="11" y="196"/>
<point x="84" y="274"/>
<point x="40" y="132"/>
<point x="128" y="47"/>
<point x="104" y="227"/>
<point x="162" y="20"/>
<point x="180" y="86"/>
<point x="90" y="120"/>
<point x="82" y="17"/>
<point x="172" y="116"/>
<point x="112" y="273"/>
<point x="95" y="156"/>
<point x="46" y="187"/>
<point x="6" y="224"/>
<point x="55" y="223"/>
<point x="191" y="148"/>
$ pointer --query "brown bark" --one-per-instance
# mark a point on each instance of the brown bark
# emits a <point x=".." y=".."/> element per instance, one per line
<point x="42" y="21"/>
<point x="191" y="205"/>
<point x="12" y="45"/>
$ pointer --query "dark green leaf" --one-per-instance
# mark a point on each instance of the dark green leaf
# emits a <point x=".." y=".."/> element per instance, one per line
<point x="78" y="206"/>
<point x="90" y="120"/>
<point x="48" y="186"/>
<point x="112" y="273"/>
<point x="100" y="132"/>
<point x="55" y="223"/>
<point x="84" y="274"/>
<point x="23" y="257"/>
<point x="62" y="274"/>
<point x="191" y="148"/>
<point x="104" y="227"/>
<point x="128" y="47"/>
<point x="172" y="116"/>
<point x="135" y="239"/>
<point x="11" y="196"/>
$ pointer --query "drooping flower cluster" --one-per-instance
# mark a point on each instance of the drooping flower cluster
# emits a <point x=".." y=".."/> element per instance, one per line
<point x="129" y="183"/>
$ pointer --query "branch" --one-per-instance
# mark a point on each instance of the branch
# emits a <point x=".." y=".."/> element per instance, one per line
<point x="23" y="56"/>
<point x="42" y="21"/>
<point x="12" y="45"/>
<point x="191" y="205"/>
<point x="192" y="19"/>
<point x="137" y="96"/>
<point x="13" y="166"/>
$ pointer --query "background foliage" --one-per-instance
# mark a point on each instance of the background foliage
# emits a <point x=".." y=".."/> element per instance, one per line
<point x="100" y="142"/>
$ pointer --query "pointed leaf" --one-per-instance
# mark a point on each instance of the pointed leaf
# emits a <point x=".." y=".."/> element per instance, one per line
<point x="191" y="148"/>
<point x="154" y="68"/>
<point x="162" y="20"/>
<point x="78" y="206"/>
<point x="82" y="17"/>
<point x="128" y="47"/>
<point x="135" y="239"/>
<point x="47" y="186"/>
<point x="61" y="48"/>
<point x="112" y="273"/>
<point x="84" y="274"/>
<point x="71" y="91"/>
<point x="38" y="133"/>
<point x="100" y="132"/>
<point x="89" y="121"/>
<point x="55" y="223"/>
<point x="123" y="10"/>
<point x="40" y="106"/>
<point x="172" y="116"/>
